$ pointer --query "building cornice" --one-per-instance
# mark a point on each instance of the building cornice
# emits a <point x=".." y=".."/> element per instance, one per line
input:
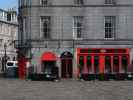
<point x="78" y="6"/>
<point x="6" y="22"/>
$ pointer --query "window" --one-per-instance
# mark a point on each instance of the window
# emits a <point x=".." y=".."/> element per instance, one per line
<point x="8" y="17"/>
<point x="0" y="28"/>
<point x="107" y="64"/>
<point x="96" y="64"/>
<point x="79" y="2"/>
<point x="9" y="29"/>
<point x="89" y="63"/>
<point x="124" y="65"/>
<point x="110" y="2"/>
<point x="81" y="63"/>
<point x="116" y="64"/>
<point x="110" y="26"/>
<point x="77" y="26"/>
<point x="1" y="42"/>
<point x="44" y="2"/>
<point x="45" y="26"/>
<point x="24" y="25"/>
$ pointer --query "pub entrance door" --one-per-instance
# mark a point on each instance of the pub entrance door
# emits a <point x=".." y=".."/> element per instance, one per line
<point x="66" y="65"/>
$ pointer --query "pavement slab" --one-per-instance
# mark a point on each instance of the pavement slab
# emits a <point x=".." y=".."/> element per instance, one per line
<point x="16" y="89"/>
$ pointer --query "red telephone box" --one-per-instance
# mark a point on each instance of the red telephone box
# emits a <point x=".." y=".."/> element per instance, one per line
<point x="22" y="67"/>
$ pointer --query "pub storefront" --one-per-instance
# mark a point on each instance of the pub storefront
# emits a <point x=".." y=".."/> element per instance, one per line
<point x="103" y="63"/>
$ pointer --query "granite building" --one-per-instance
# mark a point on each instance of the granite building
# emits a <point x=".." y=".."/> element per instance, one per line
<point x="79" y="36"/>
<point x="8" y="33"/>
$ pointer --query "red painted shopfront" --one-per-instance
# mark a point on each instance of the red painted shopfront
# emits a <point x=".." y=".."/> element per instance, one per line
<point x="103" y="60"/>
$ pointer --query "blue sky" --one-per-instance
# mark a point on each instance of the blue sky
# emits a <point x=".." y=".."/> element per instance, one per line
<point x="6" y="4"/>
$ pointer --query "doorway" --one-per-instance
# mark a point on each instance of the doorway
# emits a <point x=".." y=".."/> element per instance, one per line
<point x="66" y="65"/>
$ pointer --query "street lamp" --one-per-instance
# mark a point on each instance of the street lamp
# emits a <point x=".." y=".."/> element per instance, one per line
<point x="5" y="56"/>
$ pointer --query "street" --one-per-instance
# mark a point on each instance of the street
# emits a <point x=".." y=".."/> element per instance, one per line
<point x="15" y="89"/>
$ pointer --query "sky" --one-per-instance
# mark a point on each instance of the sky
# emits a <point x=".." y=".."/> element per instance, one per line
<point x="6" y="4"/>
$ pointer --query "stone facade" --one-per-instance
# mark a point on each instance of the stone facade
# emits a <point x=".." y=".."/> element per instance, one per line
<point x="8" y="33"/>
<point x="62" y="37"/>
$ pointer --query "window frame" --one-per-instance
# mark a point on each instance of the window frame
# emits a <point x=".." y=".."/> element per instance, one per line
<point x="110" y="2"/>
<point x="111" y="29"/>
<point x="47" y="34"/>
<point x="44" y="4"/>
<point x="76" y="20"/>
<point x="79" y="2"/>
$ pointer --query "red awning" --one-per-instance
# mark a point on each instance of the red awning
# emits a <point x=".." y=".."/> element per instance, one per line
<point x="48" y="56"/>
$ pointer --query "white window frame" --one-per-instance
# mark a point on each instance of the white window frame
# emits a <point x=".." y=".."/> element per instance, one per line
<point x="1" y="42"/>
<point x="110" y="2"/>
<point x="41" y="32"/>
<point x="0" y="28"/>
<point x="75" y="28"/>
<point x="24" y="27"/>
<point x="79" y="2"/>
<point x="111" y="28"/>
<point x="42" y="3"/>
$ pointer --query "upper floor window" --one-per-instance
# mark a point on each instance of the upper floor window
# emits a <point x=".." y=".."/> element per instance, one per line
<point x="1" y="42"/>
<point x="110" y="26"/>
<point x="45" y="26"/>
<point x="9" y="17"/>
<point x="24" y="26"/>
<point x="0" y="28"/>
<point x="79" y="2"/>
<point x="44" y="2"/>
<point x="110" y="1"/>
<point x="77" y="26"/>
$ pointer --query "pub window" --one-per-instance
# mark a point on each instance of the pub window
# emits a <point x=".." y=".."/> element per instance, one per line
<point x="110" y="1"/>
<point x="77" y="26"/>
<point x="124" y="63"/>
<point x="79" y="2"/>
<point x="108" y="64"/>
<point x="45" y="27"/>
<point x="81" y="63"/>
<point x="116" y="64"/>
<point x="89" y="64"/>
<point x="96" y="64"/>
<point x="110" y="26"/>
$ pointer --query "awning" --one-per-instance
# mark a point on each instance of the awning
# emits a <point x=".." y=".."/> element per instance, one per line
<point x="48" y="56"/>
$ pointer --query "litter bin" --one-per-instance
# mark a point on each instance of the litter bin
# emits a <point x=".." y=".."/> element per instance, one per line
<point x="11" y="72"/>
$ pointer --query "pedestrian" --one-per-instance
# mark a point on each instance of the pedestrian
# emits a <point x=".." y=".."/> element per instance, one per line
<point x="27" y="69"/>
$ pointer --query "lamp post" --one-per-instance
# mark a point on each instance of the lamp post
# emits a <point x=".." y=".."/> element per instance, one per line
<point x="5" y="56"/>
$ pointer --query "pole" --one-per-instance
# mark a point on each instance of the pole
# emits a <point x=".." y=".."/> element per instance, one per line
<point x="5" y="57"/>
